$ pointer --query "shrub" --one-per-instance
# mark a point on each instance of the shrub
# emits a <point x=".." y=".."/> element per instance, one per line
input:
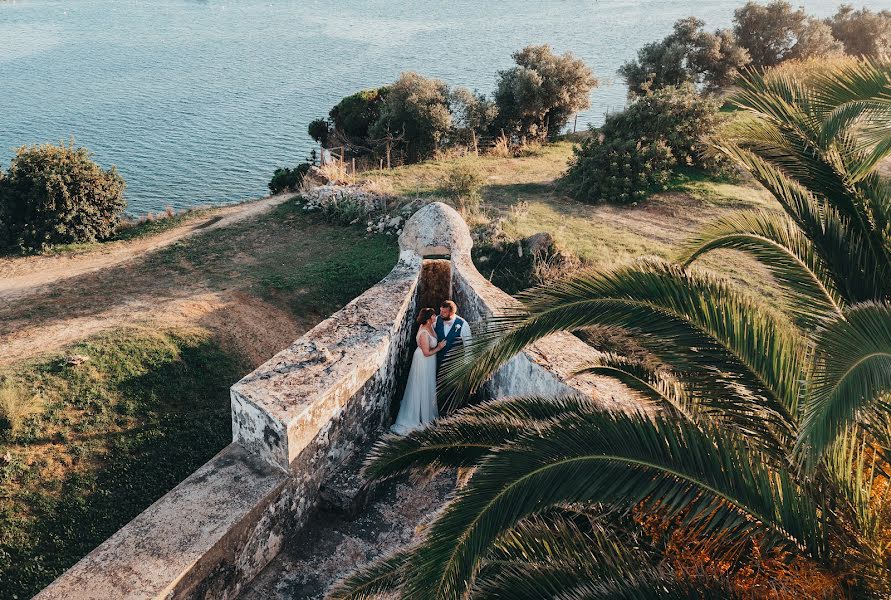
<point x="16" y="404"/>
<point x="776" y="32"/>
<point x="472" y="116"/>
<point x="677" y="116"/>
<point x="353" y="117"/>
<point x="344" y="211"/>
<point x="863" y="32"/>
<point x="687" y="55"/>
<point x="416" y="112"/>
<point x="463" y="185"/>
<point x="536" y="98"/>
<point x="58" y="195"/>
<point x="285" y="179"/>
<point x="318" y="130"/>
<point x="617" y="170"/>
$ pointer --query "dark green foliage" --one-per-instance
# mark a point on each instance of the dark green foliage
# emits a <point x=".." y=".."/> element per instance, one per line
<point x="353" y="117"/>
<point x="318" y="130"/>
<point x="416" y="113"/>
<point x="536" y="98"/>
<point x="635" y="151"/>
<point x="677" y="116"/>
<point x="58" y="195"/>
<point x="285" y="179"/>
<point x="617" y="170"/>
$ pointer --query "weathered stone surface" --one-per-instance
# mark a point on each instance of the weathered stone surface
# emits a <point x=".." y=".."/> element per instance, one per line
<point x="174" y="545"/>
<point x="436" y="229"/>
<point x="297" y="421"/>
<point x="284" y="404"/>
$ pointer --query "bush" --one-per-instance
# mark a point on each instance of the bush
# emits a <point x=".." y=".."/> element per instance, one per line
<point x="863" y="32"/>
<point x="416" y="112"/>
<point x="775" y="32"/>
<point x="676" y="116"/>
<point x="687" y="55"/>
<point x="318" y="130"/>
<point x="58" y="195"/>
<point x="463" y="185"/>
<point x="344" y="211"/>
<point x="353" y="117"/>
<point x="617" y="170"/>
<point x="536" y="98"/>
<point x="285" y="179"/>
<point x="472" y="117"/>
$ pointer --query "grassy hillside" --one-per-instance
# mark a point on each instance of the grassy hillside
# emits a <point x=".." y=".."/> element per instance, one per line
<point x="525" y="192"/>
<point x="123" y="415"/>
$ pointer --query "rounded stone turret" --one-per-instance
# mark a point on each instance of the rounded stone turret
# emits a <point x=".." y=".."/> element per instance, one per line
<point x="436" y="229"/>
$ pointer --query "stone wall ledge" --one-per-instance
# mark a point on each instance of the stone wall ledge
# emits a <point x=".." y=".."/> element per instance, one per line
<point x="173" y="545"/>
<point x="279" y="408"/>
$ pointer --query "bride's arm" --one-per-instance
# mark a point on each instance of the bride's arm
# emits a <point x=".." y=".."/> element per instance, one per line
<point x="424" y="345"/>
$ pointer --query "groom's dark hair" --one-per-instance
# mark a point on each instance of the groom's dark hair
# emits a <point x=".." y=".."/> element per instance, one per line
<point x="449" y="304"/>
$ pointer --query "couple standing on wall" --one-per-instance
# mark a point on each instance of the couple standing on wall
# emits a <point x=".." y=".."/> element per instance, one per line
<point x="436" y="336"/>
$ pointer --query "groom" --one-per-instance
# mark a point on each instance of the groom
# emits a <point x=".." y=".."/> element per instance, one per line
<point x="450" y="328"/>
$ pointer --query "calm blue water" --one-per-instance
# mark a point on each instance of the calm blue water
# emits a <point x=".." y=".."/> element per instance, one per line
<point x="197" y="101"/>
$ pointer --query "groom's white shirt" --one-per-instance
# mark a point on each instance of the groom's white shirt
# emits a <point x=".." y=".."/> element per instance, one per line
<point x="447" y="327"/>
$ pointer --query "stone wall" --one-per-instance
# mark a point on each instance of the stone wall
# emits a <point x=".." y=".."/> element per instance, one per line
<point x="299" y="417"/>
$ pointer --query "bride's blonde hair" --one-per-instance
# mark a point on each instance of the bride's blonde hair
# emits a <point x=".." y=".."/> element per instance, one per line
<point x="425" y="315"/>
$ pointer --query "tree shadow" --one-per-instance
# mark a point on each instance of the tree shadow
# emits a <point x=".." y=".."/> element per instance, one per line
<point x="183" y="407"/>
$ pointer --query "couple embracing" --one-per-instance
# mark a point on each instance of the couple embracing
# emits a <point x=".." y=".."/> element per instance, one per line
<point x="436" y="336"/>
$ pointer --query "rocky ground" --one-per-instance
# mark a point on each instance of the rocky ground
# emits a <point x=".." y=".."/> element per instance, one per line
<point x="335" y="543"/>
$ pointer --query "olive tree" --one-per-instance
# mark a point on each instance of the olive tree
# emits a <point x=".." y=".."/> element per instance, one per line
<point x="775" y="32"/>
<point x="536" y="98"/>
<point x="863" y="32"/>
<point x="687" y="55"/>
<point x="58" y="195"/>
<point x="472" y="116"/>
<point x="416" y="111"/>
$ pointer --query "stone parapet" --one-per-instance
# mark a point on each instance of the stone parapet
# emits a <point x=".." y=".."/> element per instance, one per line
<point x="299" y="418"/>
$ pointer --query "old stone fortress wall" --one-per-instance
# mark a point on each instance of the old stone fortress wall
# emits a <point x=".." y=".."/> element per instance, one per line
<point x="300" y="416"/>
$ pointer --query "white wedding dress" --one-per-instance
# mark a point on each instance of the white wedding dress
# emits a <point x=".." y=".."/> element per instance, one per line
<point x="419" y="401"/>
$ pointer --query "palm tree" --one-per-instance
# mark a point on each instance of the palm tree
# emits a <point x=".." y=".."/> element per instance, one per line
<point x="815" y="146"/>
<point x="756" y="433"/>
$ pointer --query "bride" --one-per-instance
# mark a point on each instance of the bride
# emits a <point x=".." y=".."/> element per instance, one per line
<point x="419" y="401"/>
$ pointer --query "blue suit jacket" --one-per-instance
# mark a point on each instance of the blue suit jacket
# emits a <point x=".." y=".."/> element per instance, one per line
<point x="450" y="339"/>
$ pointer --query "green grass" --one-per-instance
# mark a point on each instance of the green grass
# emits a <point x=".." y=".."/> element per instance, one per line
<point x="295" y="259"/>
<point x="114" y="434"/>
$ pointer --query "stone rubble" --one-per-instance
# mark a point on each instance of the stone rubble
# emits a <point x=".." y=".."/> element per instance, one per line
<point x="384" y="214"/>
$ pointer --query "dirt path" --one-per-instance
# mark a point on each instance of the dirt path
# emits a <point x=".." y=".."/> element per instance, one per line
<point x="22" y="276"/>
<point x="50" y="302"/>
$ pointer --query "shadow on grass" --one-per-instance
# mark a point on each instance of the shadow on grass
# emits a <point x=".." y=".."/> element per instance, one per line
<point x="182" y="403"/>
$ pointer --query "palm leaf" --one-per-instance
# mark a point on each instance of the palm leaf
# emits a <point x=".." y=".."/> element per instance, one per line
<point x="464" y="438"/>
<point x="851" y="374"/>
<point x="381" y="576"/>
<point x="786" y="252"/>
<point x="687" y="319"/>
<point x="720" y="485"/>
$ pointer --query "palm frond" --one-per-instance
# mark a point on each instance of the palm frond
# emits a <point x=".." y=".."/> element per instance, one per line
<point x="787" y="253"/>
<point x="549" y="554"/>
<point x="851" y="374"/>
<point x="689" y="320"/>
<point x="381" y="576"/>
<point x="718" y="483"/>
<point x="464" y="438"/>
<point x="653" y="585"/>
